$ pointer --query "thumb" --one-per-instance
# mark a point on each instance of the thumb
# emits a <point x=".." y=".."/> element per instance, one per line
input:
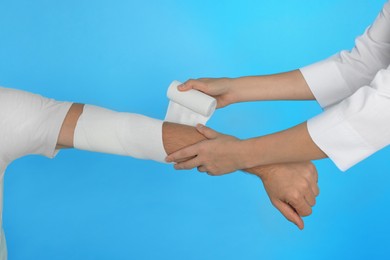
<point x="192" y="84"/>
<point x="289" y="213"/>
<point x="206" y="131"/>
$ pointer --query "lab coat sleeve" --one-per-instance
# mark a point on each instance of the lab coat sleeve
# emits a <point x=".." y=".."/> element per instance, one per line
<point x="358" y="126"/>
<point x="339" y="76"/>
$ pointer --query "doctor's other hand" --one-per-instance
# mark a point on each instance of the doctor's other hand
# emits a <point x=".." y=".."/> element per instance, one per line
<point x="291" y="187"/>
<point x="219" y="88"/>
<point x="218" y="155"/>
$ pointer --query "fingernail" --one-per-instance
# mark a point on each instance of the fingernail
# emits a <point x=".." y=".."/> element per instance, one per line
<point x="167" y="159"/>
<point x="199" y="125"/>
<point x="181" y="86"/>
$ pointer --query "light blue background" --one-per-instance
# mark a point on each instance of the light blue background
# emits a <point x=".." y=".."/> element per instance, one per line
<point x="123" y="55"/>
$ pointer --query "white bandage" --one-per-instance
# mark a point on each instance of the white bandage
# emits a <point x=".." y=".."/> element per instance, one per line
<point x="102" y="130"/>
<point x="106" y="131"/>
<point x="189" y="107"/>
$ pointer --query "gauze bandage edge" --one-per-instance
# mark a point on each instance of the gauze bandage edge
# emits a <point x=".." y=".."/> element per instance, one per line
<point x="102" y="130"/>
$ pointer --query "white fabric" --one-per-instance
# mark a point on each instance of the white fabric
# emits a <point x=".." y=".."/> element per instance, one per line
<point x="336" y="78"/>
<point x="356" y="121"/>
<point x="190" y="107"/>
<point x="102" y="130"/>
<point x="29" y="124"/>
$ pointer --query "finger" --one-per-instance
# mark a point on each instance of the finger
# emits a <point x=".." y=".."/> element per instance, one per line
<point x="316" y="190"/>
<point x="301" y="206"/>
<point x="314" y="172"/>
<point x="190" y="164"/>
<point x="214" y="172"/>
<point x="206" y="131"/>
<point x="184" y="153"/>
<point x="202" y="169"/>
<point x="289" y="213"/>
<point x="310" y="198"/>
<point x="210" y="173"/>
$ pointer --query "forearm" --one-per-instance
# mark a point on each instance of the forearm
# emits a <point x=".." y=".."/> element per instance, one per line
<point x="176" y="137"/>
<point x="284" y="86"/>
<point x="291" y="145"/>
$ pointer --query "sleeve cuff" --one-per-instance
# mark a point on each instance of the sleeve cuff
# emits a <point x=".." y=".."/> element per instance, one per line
<point x="338" y="139"/>
<point x="326" y="82"/>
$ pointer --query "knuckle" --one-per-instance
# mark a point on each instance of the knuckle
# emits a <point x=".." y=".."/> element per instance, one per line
<point x="307" y="174"/>
<point x="294" y="196"/>
<point x="312" y="168"/>
<point x="307" y="212"/>
<point x="305" y="185"/>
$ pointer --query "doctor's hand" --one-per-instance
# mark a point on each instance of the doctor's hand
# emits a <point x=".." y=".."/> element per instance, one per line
<point x="291" y="187"/>
<point x="218" y="155"/>
<point x="219" y="88"/>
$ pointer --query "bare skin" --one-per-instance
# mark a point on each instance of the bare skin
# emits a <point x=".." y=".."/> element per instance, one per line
<point x="292" y="188"/>
<point x="65" y="138"/>
<point x="283" y="86"/>
<point x="221" y="154"/>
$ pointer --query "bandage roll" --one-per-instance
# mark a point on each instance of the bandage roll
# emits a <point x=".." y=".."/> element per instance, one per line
<point x="189" y="107"/>
<point x="194" y="100"/>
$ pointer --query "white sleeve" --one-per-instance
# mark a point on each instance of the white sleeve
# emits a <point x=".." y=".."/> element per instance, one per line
<point x="341" y="75"/>
<point x="358" y="126"/>
<point x="29" y="123"/>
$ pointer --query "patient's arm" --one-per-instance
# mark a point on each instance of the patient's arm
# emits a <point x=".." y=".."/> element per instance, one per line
<point x="292" y="188"/>
<point x="65" y="138"/>
<point x="175" y="136"/>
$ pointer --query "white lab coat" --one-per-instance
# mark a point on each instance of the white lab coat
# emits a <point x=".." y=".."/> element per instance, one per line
<point x="353" y="88"/>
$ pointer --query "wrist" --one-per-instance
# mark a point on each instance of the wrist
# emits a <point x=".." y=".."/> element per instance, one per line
<point x="232" y="94"/>
<point x="247" y="155"/>
<point x="263" y="172"/>
<point x="237" y="89"/>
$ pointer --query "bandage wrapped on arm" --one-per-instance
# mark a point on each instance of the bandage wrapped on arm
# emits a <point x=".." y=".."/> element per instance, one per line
<point x="102" y="130"/>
